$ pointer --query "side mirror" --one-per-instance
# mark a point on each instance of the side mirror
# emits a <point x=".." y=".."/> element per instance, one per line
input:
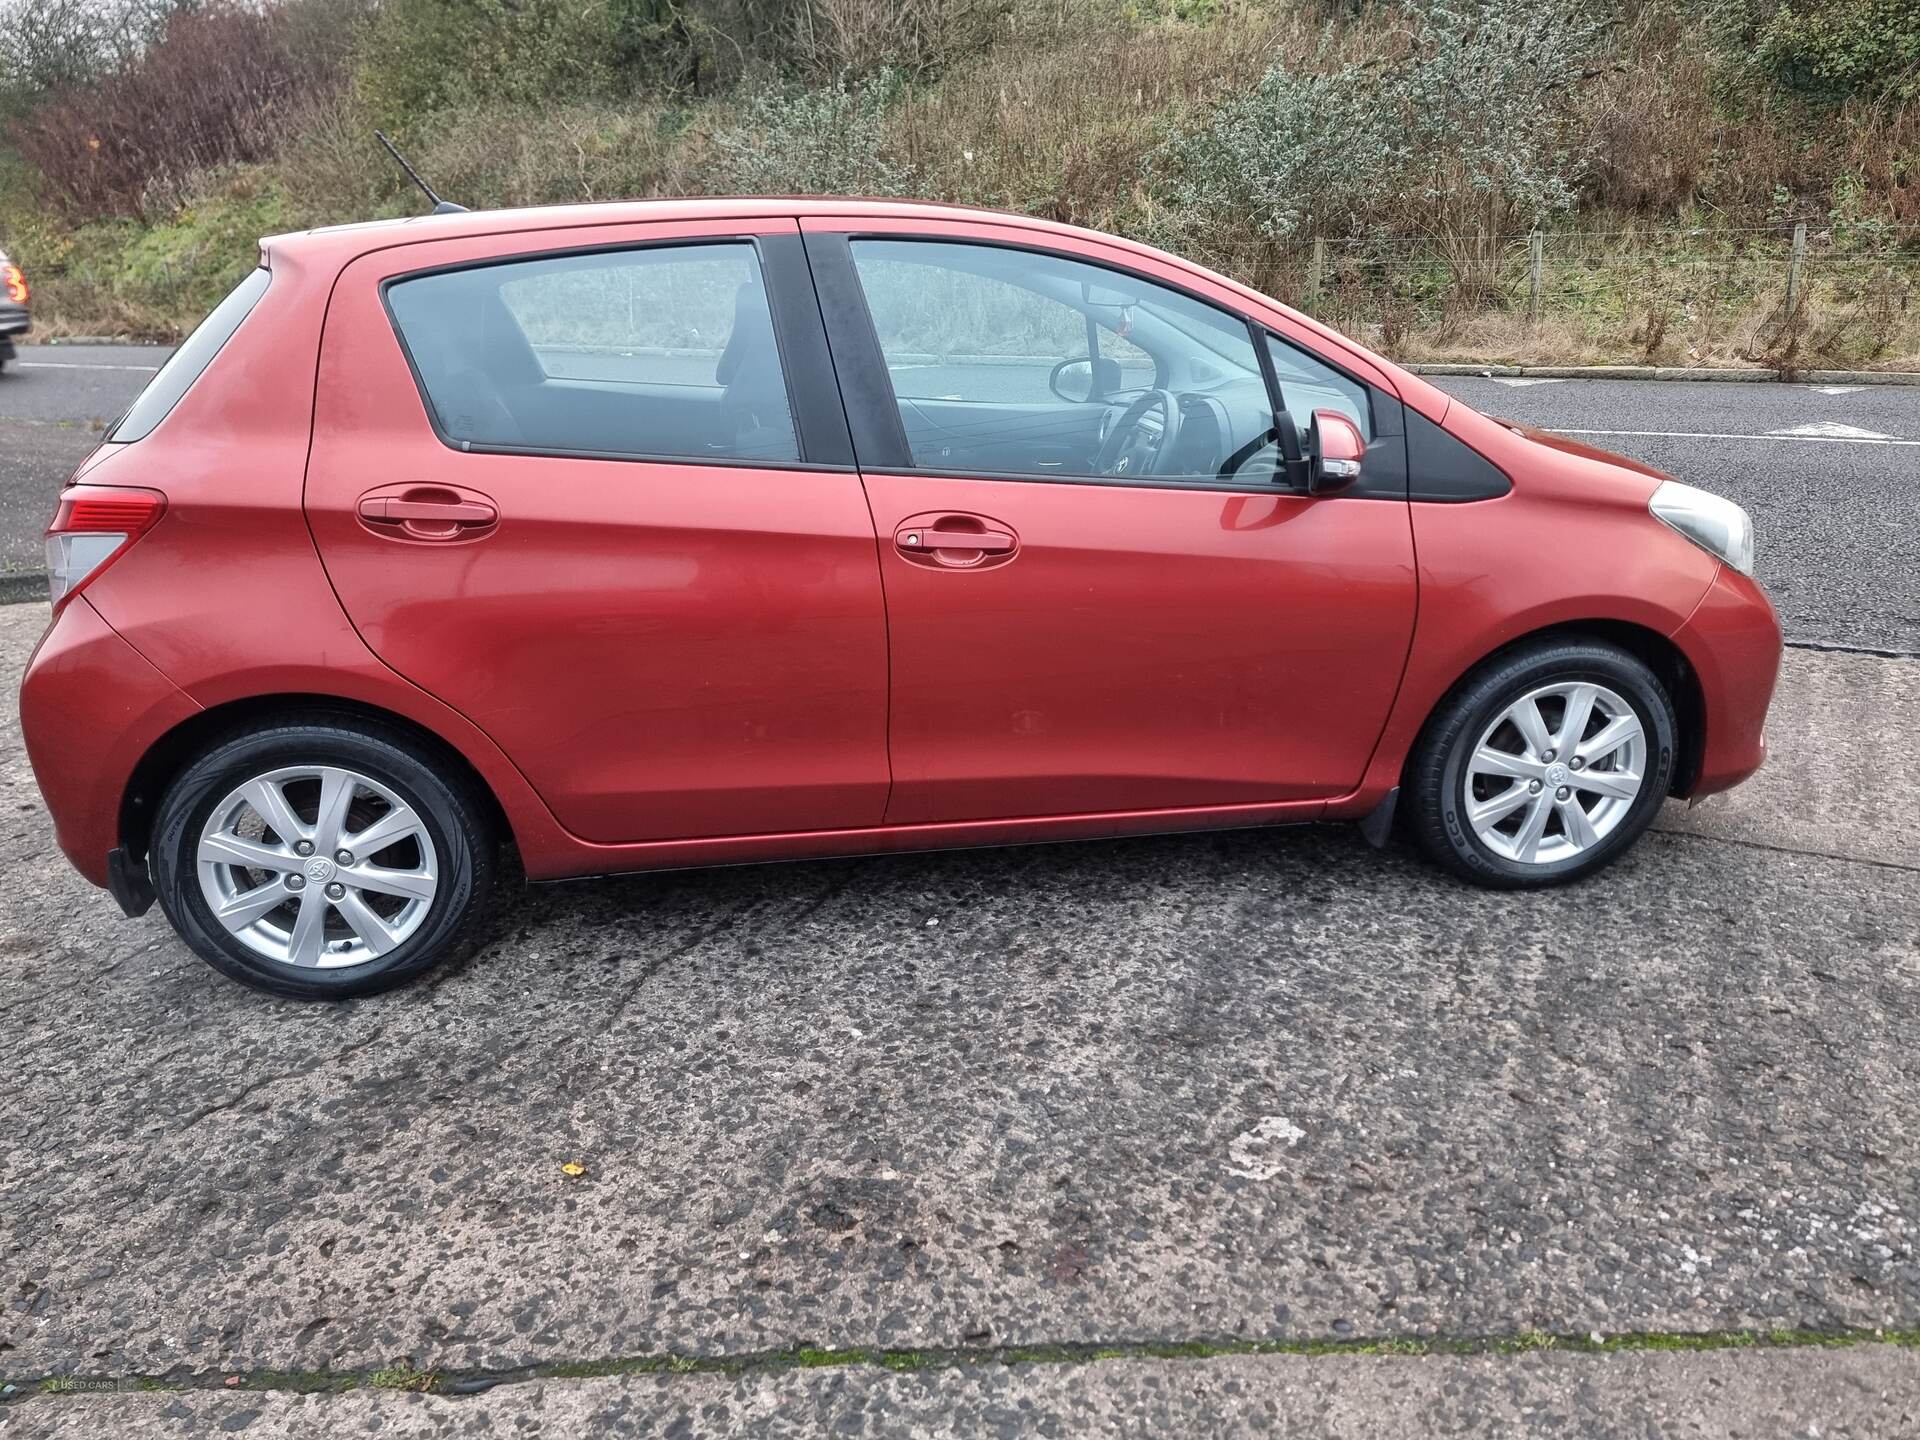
<point x="1079" y="381"/>
<point x="1334" y="452"/>
<point x="1072" y="380"/>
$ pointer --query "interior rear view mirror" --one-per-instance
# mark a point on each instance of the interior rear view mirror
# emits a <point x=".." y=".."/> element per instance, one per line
<point x="1106" y="296"/>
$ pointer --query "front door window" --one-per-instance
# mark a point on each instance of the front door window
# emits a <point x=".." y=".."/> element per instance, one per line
<point x="1013" y="362"/>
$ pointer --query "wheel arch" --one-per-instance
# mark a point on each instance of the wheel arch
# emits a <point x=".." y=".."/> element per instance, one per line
<point x="174" y="750"/>
<point x="1658" y="653"/>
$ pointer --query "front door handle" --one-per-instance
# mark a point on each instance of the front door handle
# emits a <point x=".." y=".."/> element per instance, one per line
<point x="427" y="512"/>
<point x="955" y="542"/>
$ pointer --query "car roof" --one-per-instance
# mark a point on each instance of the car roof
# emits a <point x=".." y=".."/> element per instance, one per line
<point x="360" y="236"/>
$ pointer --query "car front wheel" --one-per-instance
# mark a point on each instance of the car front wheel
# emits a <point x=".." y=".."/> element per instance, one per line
<point x="1544" y="765"/>
<point x="322" y="860"/>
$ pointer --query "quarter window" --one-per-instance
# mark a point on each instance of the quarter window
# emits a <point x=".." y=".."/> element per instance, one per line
<point x="1308" y="383"/>
<point x="1008" y="361"/>
<point x="667" y="351"/>
<point x="187" y="363"/>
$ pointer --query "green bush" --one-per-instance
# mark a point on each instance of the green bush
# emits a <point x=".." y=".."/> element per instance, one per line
<point x="1470" y="129"/>
<point x="829" y="141"/>
<point x="1834" y="50"/>
<point x="423" y="56"/>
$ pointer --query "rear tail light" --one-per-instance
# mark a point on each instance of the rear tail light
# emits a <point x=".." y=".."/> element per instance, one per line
<point x="13" y="283"/>
<point x="93" y="527"/>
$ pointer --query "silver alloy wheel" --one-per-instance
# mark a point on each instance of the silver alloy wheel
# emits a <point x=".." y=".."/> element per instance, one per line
<point x="1555" y="773"/>
<point x="317" y="866"/>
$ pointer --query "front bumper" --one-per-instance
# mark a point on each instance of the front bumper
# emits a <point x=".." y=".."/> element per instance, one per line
<point x="90" y="707"/>
<point x="1732" y="640"/>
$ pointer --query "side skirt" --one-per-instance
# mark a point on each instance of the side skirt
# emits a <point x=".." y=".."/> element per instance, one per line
<point x="585" y="861"/>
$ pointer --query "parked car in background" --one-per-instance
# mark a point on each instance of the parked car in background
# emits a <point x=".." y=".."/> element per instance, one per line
<point x="15" y="319"/>
<point x="695" y="532"/>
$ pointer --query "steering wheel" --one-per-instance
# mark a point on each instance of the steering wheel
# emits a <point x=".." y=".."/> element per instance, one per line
<point x="1142" y="440"/>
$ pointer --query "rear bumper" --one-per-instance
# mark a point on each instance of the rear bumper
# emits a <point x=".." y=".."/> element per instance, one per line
<point x="1732" y="641"/>
<point x="14" y="320"/>
<point x="90" y="707"/>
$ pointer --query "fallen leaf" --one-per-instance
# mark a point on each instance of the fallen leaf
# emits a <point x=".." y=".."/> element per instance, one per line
<point x="573" y="1169"/>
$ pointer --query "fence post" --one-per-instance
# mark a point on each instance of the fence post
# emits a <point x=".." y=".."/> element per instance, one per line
<point x="1536" y="253"/>
<point x="1795" y="267"/>
<point x="1315" y="271"/>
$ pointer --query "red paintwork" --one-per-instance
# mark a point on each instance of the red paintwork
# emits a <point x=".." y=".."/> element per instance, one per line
<point x="660" y="664"/>
<point x="1147" y="649"/>
<point x="1339" y="440"/>
<point x="92" y="710"/>
<point x="1732" y="640"/>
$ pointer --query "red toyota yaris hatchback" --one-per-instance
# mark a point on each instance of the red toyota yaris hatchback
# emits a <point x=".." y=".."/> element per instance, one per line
<point x="695" y="532"/>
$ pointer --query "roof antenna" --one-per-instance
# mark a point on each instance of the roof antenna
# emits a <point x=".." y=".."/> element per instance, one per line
<point x="440" y="207"/>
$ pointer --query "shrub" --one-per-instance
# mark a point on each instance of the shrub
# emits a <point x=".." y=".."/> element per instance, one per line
<point x="1469" y="132"/>
<point x="829" y="141"/>
<point x="423" y="56"/>
<point x="49" y="46"/>
<point x="833" y="37"/>
<point x="1833" y="50"/>
<point x="216" y="86"/>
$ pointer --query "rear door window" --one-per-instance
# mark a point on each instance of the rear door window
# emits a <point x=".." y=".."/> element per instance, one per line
<point x="666" y="352"/>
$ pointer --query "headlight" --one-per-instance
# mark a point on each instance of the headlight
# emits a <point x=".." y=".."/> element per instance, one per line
<point x="1717" y="526"/>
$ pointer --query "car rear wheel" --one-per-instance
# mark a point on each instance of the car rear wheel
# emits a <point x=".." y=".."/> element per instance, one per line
<point x="1544" y="765"/>
<point x="322" y="860"/>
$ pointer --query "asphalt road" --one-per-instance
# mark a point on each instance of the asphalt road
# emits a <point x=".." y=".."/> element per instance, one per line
<point x="55" y="402"/>
<point x="1073" y="1134"/>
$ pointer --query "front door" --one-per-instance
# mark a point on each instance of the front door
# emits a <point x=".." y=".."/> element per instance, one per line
<point x="1098" y="597"/>
<point x="573" y="491"/>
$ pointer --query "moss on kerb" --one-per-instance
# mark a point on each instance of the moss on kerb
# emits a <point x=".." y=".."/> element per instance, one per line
<point x="403" y="1376"/>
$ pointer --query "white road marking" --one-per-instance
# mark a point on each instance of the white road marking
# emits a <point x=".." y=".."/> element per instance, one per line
<point x="1835" y="389"/>
<point x="76" y="365"/>
<point x="1831" y="430"/>
<point x="1519" y="380"/>
<point x="1728" y="435"/>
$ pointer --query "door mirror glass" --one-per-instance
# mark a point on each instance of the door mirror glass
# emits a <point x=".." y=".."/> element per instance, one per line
<point x="1334" y="452"/>
<point x="1072" y="380"/>
<point x="1081" y="380"/>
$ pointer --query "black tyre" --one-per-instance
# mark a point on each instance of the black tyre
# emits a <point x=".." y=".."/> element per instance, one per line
<point x="324" y="858"/>
<point x="1543" y="765"/>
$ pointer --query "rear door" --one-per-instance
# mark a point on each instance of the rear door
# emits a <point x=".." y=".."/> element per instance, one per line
<point x="1088" y="611"/>
<point x="594" y="490"/>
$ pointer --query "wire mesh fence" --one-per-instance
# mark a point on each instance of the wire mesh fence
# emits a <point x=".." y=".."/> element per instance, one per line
<point x="1778" y="295"/>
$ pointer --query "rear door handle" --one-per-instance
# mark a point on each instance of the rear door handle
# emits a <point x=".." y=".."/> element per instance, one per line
<point x="460" y="512"/>
<point x="991" y="541"/>
<point x="427" y="512"/>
